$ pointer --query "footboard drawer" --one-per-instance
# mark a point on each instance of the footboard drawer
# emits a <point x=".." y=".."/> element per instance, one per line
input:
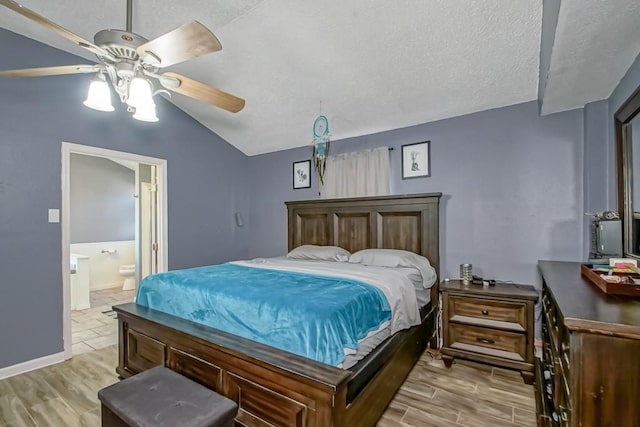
<point x="263" y="407"/>
<point x="143" y="352"/>
<point x="195" y="368"/>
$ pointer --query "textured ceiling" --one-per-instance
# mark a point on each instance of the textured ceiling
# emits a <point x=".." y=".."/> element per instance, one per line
<point x="596" y="42"/>
<point x="369" y="66"/>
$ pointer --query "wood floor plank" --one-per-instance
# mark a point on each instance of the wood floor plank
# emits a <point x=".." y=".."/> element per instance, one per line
<point x="417" y="386"/>
<point x="470" y="404"/>
<point x="507" y="374"/>
<point x="393" y="415"/>
<point x="490" y="393"/>
<point x="76" y="392"/>
<point x="460" y="370"/>
<point x="91" y="418"/>
<point x="417" y="401"/>
<point x="13" y="412"/>
<point x="417" y="418"/>
<point x="448" y="381"/>
<point x="5" y="388"/>
<point x="524" y="418"/>
<point x="30" y="388"/>
<point x="54" y="413"/>
<point x="477" y="420"/>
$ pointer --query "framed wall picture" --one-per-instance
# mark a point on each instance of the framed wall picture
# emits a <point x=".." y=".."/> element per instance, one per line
<point x="416" y="160"/>
<point x="302" y="174"/>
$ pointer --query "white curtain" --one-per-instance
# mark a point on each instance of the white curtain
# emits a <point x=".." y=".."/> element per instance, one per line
<point x="362" y="173"/>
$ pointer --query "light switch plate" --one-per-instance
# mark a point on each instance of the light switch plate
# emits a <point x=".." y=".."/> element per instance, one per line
<point x="54" y="215"/>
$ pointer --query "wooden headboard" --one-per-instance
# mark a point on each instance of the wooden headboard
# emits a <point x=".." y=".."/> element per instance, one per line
<point x="408" y="222"/>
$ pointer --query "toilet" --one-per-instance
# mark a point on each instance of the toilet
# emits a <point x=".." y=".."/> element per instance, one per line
<point x="128" y="272"/>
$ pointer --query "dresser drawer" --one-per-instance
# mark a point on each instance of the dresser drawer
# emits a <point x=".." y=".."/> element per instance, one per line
<point x="492" y="342"/>
<point x="510" y="315"/>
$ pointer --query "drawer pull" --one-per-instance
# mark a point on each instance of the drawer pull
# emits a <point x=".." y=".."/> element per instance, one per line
<point x="563" y="413"/>
<point x="485" y="340"/>
<point x="485" y="312"/>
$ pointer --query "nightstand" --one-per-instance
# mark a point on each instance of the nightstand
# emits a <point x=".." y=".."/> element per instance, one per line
<point x="489" y="324"/>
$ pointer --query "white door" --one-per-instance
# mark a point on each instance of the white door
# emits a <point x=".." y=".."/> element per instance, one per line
<point x="149" y="226"/>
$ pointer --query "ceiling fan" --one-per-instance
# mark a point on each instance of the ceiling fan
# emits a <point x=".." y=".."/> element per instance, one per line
<point x="132" y="62"/>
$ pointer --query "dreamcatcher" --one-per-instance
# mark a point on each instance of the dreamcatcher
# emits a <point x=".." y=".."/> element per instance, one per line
<point x="320" y="147"/>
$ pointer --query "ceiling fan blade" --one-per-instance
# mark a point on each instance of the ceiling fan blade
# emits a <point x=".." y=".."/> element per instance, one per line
<point x="200" y="91"/>
<point x="51" y="71"/>
<point x="30" y="14"/>
<point x="186" y="42"/>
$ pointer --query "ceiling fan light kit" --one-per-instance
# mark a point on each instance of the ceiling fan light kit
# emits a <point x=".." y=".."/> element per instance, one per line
<point x="99" y="96"/>
<point x="132" y="62"/>
<point x="146" y="113"/>
<point x="139" y="92"/>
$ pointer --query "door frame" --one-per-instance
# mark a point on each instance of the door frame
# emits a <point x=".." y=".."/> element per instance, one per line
<point x="69" y="148"/>
<point x="147" y="237"/>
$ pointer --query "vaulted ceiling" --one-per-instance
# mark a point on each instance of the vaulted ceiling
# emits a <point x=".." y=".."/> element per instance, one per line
<point x="371" y="66"/>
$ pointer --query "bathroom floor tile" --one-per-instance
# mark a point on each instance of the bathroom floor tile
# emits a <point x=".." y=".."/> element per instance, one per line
<point x="102" y="342"/>
<point x="111" y="329"/>
<point x="79" y="336"/>
<point x="96" y="327"/>
<point x="80" y="347"/>
<point x="86" y="324"/>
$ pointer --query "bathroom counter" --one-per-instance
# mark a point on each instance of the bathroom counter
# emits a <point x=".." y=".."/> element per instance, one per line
<point x="80" y="284"/>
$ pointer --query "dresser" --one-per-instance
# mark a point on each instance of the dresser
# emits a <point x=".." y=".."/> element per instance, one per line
<point x="589" y="374"/>
<point x="489" y="324"/>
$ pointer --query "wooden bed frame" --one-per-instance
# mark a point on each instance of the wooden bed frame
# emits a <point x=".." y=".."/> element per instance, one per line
<point x="276" y="388"/>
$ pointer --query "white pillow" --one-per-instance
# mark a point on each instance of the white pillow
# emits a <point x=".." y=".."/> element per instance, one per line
<point x="326" y="253"/>
<point x="396" y="258"/>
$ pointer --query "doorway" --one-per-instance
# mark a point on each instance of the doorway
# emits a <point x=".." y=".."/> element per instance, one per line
<point x="150" y="227"/>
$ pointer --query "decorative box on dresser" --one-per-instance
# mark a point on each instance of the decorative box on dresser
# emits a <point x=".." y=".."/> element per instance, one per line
<point x="590" y="368"/>
<point x="490" y="324"/>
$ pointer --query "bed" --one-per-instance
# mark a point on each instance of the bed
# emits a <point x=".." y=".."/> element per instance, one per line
<point x="277" y="388"/>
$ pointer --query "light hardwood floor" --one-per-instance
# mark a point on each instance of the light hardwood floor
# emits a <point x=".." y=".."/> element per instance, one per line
<point x="468" y="394"/>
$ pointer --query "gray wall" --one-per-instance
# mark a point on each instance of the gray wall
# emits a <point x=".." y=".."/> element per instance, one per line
<point x="36" y="115"/>
<point x="512" y="184"/>
<point x="102" y="206"/>
<point x="596" y="164"/>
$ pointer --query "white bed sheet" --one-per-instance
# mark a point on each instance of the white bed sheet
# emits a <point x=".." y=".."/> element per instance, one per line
<point x="365" y="346"/>
<point x="373" y="339"/>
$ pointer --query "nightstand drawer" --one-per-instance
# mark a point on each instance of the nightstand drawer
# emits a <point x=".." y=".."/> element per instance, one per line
<point x="503" y="344"/>
<point x="511" y="315"/>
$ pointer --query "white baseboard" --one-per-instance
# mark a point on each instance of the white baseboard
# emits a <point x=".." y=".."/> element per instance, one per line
<point x="31" y="365"/>
<point x="80" y="307"/>
<point x="102" y="286"/>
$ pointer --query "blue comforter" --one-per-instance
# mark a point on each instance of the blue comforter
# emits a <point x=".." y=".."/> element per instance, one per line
<point x="314" y="316"/>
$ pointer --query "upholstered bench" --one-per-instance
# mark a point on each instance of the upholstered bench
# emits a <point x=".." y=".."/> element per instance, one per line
<point x="160" y="397"/>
